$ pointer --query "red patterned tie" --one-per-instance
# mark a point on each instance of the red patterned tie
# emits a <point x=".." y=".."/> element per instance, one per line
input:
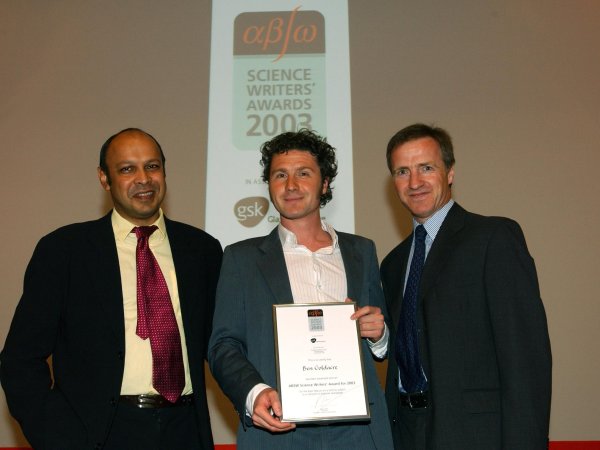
<point x="156" y="320"/>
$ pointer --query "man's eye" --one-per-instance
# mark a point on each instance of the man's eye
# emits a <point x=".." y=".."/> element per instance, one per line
<point x="152" y="166"/>
<point x="125" y="169"/>
<point x="400" y="172"/>
<point x="428" y="168"/>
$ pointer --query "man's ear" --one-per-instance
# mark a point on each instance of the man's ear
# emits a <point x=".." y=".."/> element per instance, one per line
<point x="451" y="176"/>
<point x="325" y="185"/>
<point x="103" y="179"/>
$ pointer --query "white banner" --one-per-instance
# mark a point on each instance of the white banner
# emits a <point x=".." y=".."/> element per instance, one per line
<point x="276" y="66"/>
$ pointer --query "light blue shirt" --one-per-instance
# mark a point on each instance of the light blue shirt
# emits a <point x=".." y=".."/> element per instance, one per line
<point x="432" y="226"/>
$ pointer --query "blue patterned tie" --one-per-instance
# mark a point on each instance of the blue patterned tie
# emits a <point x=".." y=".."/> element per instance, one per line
<point x="407" y="340"/>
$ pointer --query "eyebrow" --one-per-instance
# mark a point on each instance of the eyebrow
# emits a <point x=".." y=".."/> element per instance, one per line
<point x="421" y="164"/>
<point x="130" y="162"/>
<point x="294" y="169"/>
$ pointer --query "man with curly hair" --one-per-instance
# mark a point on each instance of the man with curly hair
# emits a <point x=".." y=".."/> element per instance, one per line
<point x="303" y="260"/>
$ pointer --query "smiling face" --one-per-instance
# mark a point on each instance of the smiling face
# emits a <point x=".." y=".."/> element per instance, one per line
<point x="421" y="179"/>
<point x="295" y="185"/>
<point x="135" y="178"/>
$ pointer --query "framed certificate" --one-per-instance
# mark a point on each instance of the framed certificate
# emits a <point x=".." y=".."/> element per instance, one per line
<point x="320" y="373"/>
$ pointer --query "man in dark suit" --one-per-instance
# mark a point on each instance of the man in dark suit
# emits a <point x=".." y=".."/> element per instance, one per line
<point x="81" y="306"/>
<point x="473" y="364"/>
<point x="303" y="260"/>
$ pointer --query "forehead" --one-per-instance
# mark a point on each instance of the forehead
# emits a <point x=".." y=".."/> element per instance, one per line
<point x="132" y="144"/>
<point x="293" y="158"/>
<point x="417" y="150"/>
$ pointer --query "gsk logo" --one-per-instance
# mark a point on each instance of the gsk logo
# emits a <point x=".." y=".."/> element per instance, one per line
<point x="251" y="210"/>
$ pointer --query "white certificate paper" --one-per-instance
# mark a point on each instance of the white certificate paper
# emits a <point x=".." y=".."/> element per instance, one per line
<point x="320" y="371"/>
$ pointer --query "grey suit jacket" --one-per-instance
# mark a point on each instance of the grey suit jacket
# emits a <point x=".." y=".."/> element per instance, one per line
<point x="484" y="344"/>
<point x="241" y="348"/>
<point x="72" y="309"/>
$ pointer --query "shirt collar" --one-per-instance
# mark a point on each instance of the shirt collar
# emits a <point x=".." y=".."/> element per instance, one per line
<point x="122" y="227"/>
<point x="434" y="223"/>
<point x="288" y="239"/>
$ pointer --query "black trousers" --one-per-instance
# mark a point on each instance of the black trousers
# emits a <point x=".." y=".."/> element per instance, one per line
<point x="409" y="429"/>
<point x="134" y="428"/>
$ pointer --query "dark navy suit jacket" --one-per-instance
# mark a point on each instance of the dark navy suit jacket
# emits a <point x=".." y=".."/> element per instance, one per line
<point x="484" y="338"/>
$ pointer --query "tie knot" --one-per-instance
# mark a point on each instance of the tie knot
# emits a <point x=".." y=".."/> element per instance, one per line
<point x="144" y="231"/>
<point x="420" y="233"/>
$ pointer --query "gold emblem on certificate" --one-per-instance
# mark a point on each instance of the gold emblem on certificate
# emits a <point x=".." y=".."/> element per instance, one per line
<point x="320" y="371"/>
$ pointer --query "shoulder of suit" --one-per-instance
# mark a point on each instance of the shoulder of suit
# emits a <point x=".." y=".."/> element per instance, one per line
<point x="79" y="228"/>
<point x="187" y="230"/>
<point x="72" y="237"/>
<point x="491" y="222"/>
<point x="250" y="243"/>
<point x="355" y="238"/>
<point x="266" y="242"/>
<point x="478" y="227"/>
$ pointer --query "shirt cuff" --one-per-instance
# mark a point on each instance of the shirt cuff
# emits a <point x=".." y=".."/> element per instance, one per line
<point x="252" y="397"/>
<point x="379" y="348"/>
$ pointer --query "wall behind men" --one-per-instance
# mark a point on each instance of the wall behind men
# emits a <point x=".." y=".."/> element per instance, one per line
<point x="514" y="81"/>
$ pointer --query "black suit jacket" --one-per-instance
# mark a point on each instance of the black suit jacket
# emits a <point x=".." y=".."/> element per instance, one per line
<point x="484" y="338"/>
<point x="72" y="310"/>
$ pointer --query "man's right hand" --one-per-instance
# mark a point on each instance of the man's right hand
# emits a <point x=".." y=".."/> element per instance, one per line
<point x="267" y="412"/>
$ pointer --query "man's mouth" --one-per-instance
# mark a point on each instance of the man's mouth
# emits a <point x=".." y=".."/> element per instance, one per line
<point x="143" y="195"/>
<point x="418" y="195"/>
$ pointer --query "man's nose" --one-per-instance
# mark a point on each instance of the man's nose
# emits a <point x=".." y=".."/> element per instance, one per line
<point x="291" y="184"/>
<point x="143" y="177"/>
<point x="415" y="180"/>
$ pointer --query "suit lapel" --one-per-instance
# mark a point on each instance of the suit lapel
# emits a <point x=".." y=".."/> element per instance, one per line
<point x="186" y="268"/>
<point x="105" y="274"/>
<point x="441" y="249"/>
<point x="352" y="265"/>
<point x="398" y="282"/>
<point x="273" y="268"/>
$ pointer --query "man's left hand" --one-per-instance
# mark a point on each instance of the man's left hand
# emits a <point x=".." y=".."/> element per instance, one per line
<point x="370" y="321"/>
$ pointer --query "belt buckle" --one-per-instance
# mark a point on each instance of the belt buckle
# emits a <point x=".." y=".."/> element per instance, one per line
<point x="146" y="401"/>
<point x="418" y="400"/>
<point x="149" y="401"/>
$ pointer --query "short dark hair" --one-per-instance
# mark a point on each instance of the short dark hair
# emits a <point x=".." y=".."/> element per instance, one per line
<point x="106" y="146"/>
<point x="418" y="131"/>
<point x="304" y="140"/>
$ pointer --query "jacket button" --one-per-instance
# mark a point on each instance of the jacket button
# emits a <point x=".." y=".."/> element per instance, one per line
<point x="112" y="402"/>
<point x="120" y="354"/>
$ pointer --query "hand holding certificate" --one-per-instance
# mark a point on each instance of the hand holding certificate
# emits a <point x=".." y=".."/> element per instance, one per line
<point x="319" y="363"/>
<point x="267" y="412"/>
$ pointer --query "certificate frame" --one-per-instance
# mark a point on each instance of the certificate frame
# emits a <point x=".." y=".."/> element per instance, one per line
<point x="319" y="362"/>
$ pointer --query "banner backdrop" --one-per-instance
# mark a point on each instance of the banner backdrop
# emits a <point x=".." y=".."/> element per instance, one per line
<point x="276" y="66"/>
